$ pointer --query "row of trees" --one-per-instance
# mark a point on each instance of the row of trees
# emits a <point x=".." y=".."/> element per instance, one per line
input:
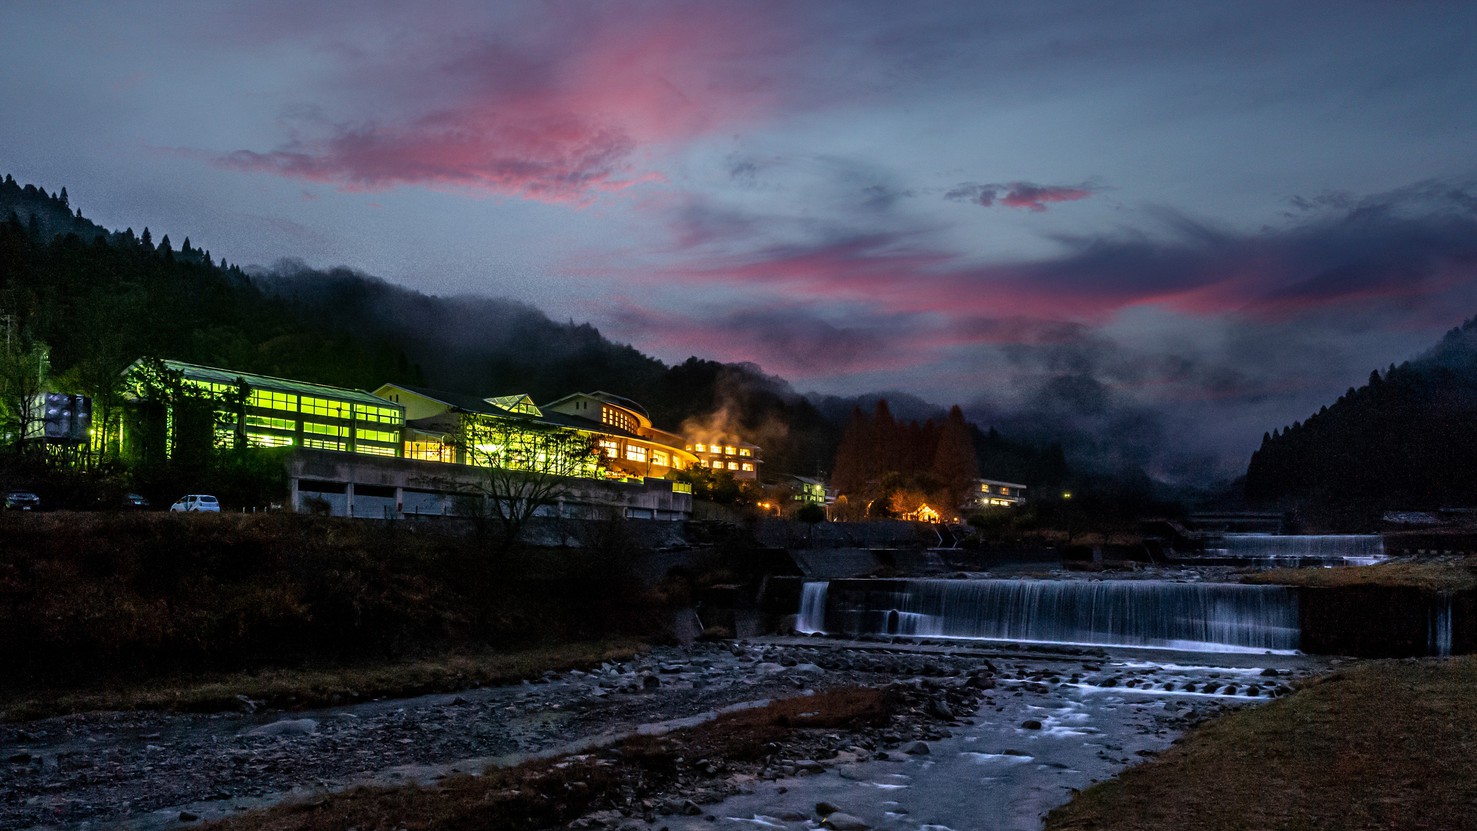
<point x="885" y="467"/>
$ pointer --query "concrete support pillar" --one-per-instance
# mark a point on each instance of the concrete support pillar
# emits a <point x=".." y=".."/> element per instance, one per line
<point x="349" y="499"/>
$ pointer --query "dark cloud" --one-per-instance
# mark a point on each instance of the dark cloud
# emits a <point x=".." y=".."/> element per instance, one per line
<point x="801" y="341"/>
<point x="1026" y="195"/>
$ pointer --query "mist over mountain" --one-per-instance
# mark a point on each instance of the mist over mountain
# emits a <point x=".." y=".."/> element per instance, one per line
<point x="98" y="299"/>
<point x="1405" y="439"/>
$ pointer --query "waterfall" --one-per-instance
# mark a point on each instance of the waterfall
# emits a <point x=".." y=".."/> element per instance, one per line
<point x="812" y="617"/>
<point x="1354" y="549"/>
<point x="1438" y="637"/>
<point x="1205" y="617"/>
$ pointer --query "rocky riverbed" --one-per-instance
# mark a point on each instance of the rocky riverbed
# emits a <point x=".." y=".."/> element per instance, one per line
<point x="1001" y="729"/>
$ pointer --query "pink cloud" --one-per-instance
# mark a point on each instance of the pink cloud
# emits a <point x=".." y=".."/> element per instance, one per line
<point x="1035" y="197"/>
<point x="557" y="114"/>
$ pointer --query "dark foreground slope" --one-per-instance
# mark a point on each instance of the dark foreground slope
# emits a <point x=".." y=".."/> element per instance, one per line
<point x="93" y="598"/>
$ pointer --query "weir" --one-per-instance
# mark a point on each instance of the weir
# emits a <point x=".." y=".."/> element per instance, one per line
<point x="1202" y="617"/>
<point x="1352" y="549"/>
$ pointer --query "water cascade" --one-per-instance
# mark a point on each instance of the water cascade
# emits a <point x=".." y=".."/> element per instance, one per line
<point x="1351" y="549"/>
<point x="1438" y="638"/>
<point x="812" y="617"/>
<point x="1204" y="617"/>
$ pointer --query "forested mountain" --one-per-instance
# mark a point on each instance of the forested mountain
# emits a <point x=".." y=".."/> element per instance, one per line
<point x="88" y="301"/>
<point x="1407" y="438"/>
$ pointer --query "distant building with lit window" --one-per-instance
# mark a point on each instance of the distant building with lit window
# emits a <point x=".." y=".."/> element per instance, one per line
<point x="990" y="493"/>
<point x="739" y="458"/>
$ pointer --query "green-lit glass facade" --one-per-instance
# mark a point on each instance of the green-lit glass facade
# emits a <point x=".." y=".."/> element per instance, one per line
<point x="277" y="412"/>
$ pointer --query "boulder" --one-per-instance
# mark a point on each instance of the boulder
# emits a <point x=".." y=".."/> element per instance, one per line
<point x="841" y="821"/>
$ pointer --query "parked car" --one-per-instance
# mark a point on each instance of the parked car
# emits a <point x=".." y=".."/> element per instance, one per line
<point x="196" y="502"/>
<point x="135" y="502"/>
<point x="22" y="501"/>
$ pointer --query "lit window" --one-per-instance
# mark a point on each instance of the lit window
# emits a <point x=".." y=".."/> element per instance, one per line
<point x="270" y="400"/>
<point x="635" y="453"/>
<point x="267" y="440"/>
<point x="324" y="406"/>
<point x="744" y="451"/>
<point x="729" y="450"/>
<point x="618" y="418"/>
<point x="325" y="429"/>
<point x="384" y="436"/>
<point x="701" y="448"/>
<point x="610" y="447"/>
<point x="372" y="450"/>
<point x="271" y="423"/>
<point x="323" y="444"/>
<point x="733" y="465"/>
<point x="660" y="458"/>
<point x="749" y="466"/>
<point x="381" y="415"/>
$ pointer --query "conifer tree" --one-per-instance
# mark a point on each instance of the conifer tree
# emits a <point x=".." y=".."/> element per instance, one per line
<point x="954" y="464"/>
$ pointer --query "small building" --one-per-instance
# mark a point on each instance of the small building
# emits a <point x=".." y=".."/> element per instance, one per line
<point x="807" y="491"/>
<point x="992" y="493"/>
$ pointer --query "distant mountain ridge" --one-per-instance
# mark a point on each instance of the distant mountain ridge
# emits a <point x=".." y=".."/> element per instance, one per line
<point x="1407" y="438"/>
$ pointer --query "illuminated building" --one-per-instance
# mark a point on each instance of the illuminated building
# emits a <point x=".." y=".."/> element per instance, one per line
<point x="624" y="431"/>
<point x="992" y="494"/>
<point x="437" y="423"/>
<point x="807" y="490"/>
<point x="244" y="409"/>
<point x="737" y="457"/>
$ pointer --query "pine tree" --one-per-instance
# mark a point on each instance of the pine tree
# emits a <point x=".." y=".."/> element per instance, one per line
<point x="63" y="199"/>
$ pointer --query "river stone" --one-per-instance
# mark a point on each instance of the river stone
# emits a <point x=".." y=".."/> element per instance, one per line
<point x="286" y="727"/>
<point x="916" y="748"/>
<point x="939" y="708"/>
<point x="1031" y="724"/>
<point x="844" y="822"/>
<point x="824" y="809"/>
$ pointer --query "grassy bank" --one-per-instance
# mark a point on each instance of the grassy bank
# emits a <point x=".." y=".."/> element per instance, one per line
<point x="137" y="602"/>
<point x="549" y="793"/>
<point x="1436" y="576"/>
<point x="1383" y="745"/>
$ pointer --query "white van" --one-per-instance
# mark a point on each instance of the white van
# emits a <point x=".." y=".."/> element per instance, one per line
<point x="196" y="502"/>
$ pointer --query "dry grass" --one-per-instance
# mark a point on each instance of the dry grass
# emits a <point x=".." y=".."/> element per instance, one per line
<point x="306" y="687"/>
<point x="1384" y="745"/>
<point x="549" y="793"/>
<point x="1440" y="576"/>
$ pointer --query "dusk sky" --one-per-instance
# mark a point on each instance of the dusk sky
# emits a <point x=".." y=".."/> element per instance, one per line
<point x="1216" y="216"/>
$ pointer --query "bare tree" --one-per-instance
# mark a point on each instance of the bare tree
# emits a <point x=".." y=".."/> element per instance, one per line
<point x="524" y="465"/>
